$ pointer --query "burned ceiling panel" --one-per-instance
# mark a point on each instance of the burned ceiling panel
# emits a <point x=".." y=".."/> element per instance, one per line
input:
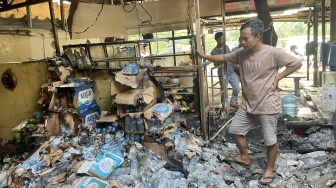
<point x="87" y="20"/>
<point x="130" y="16"/>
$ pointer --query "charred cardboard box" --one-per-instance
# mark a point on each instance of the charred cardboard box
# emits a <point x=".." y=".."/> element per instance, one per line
<point x="87" y="181"/>
<point x="160" y="111"/>
<point x="90" y="117"/>
<point x="74" y="95"/>
<point x="132" y="81"/>
<point x="109" y="159"/>
<point x="155" y="147"/>
<point x="139" y="99"/>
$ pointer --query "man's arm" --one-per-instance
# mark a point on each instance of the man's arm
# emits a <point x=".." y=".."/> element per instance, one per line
<point x="213" y="58"/>
<point x="286" y="72"/>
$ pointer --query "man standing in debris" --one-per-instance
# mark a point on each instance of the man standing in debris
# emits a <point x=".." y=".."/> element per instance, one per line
<point x="231" y="75"/>
<point x="258" y="65"/>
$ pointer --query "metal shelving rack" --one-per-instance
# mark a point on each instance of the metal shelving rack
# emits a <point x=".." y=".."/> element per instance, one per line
<point x="100" y="53"/>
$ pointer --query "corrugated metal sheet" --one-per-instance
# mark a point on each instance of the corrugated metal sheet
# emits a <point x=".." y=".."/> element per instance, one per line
<point x="277" y="12"/>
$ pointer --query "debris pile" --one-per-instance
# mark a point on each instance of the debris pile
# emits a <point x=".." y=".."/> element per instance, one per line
<point x="147" y="142"/>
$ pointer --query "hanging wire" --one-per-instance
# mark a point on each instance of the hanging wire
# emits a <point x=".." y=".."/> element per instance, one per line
<point x="101" y="9"/>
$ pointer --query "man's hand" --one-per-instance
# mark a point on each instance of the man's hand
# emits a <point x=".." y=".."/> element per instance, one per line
<point x="216" y="63"/>
<point x="200" y="53"/>
<point x="275" y="84"/>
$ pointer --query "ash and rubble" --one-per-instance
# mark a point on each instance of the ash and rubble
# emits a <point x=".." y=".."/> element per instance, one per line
<point x="189" y="161"/>
<point x="168" y="152"/>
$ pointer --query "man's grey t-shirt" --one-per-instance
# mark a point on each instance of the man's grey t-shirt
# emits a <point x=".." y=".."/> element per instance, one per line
<point x="258" y="71"/>
<point x="229" y="70"/>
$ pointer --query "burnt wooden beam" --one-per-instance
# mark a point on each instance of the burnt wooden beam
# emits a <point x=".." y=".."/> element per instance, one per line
<point x="21" y="5"/>
<point x="54" y="29"/>
<point x="29" y="19"/>
<point x="91" y="1"/>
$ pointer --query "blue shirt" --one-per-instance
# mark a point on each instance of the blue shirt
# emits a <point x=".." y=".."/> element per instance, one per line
<point x="230" y="69"/>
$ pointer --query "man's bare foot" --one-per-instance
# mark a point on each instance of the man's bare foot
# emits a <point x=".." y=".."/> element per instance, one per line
<point x="243" y="161"/>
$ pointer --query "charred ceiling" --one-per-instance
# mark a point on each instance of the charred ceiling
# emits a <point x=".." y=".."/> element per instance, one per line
<point x="237" y="11"/>
<point x="6" y="5"/>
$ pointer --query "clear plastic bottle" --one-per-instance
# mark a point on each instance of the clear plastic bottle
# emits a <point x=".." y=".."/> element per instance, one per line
<point x="137" y="138"/>
<point x="163" y="183"/>
<point x="32" y="183"/>
<point x="153" y="125"/>
<point x="150" y="165"/>
<point x="227" y="173"/>
<point x="140" y="125"/>
<point x="238" y="183"/>
<point x="132" y="152"/>
<point x="127" y="124"/>
<point x="65" y="163"/>
<point x="185" y="162"/>
<point x="121" y="171"/>
<point x="108" y="138"/>
<point x="176" y="175"/>
<point x="176" y="136"/>
<point x="210" y="151"/>
<point x="134" y="168"/>
<point x="194" y="160"/>
<point x="145" y="83"/>
<point x="289" y="104"/>
<point x="125" y="180"/>
<point x="119" y="134"/>
<point x="133" y="126"/>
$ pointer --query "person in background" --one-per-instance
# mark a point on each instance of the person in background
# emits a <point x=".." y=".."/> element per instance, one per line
<point x="236" y="48"/>
<point x="258" y="65"/>
<point x="294" y="51"/>
<point x="231" y="74"/>
<point x="239" y="45"/>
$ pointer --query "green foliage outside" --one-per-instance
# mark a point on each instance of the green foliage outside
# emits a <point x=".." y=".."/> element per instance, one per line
<point x="284" y="30"/>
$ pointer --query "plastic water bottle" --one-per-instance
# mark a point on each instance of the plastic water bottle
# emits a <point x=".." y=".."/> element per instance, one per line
<point x="108" y="138"/>
<point x="133" y="126"/>
<point x="134" y="168"/>
<point x="140" y="125"/>
<point x="61" y="164"/>
<point x="127" y="124"/>
<point x="121" y="171"/>
<point x="153" y="125"/>
<point x="289" y="104"/>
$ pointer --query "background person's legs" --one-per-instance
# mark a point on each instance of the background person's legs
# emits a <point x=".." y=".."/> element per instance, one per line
<point x="222" y="95"/>
<point x="233" y="79"/>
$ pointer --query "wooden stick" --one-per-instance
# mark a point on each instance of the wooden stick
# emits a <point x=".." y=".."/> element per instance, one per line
<point x="217" y="133"/>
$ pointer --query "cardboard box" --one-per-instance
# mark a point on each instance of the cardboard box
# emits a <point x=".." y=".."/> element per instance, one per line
<point x="91" y="182"/>
<point x="109" y="118"/>
<point x="52" y="126"/>
<point x="104" y="164"/>
<point x="84" y="95"/>
<point x="117" y="87"/>
<point x="90" y="117"/>
<point x="160" y="110"/>
<point x="329" y="98"/>
<point x="156" y="148"/>
<point x="131" y="97"/>
<point x="132" y="81"/>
